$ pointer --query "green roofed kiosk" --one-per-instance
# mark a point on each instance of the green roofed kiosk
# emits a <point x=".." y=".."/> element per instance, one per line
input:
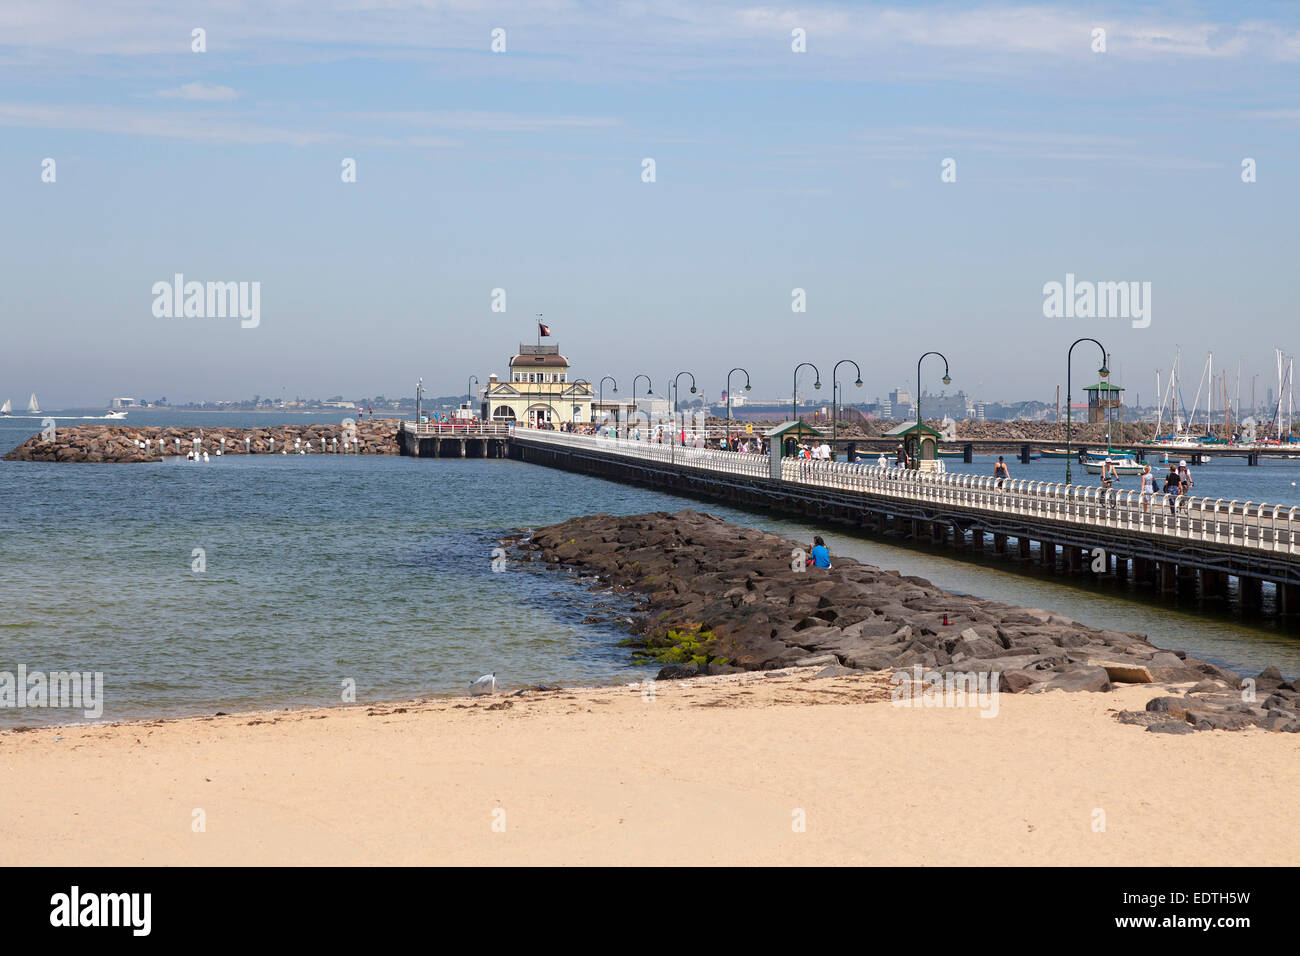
<point x="1101" y="397"/>
<point x="920" y="440"/>
<point x="786" y="434"/>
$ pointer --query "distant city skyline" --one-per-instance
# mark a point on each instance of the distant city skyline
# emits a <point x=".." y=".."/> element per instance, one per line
<point x="367" y="197"/>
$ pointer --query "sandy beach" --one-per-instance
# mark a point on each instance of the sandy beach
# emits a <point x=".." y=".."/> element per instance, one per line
<point x="715" y="770"/>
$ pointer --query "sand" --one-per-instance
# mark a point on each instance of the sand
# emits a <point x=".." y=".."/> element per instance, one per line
<point x="719" y="770"/>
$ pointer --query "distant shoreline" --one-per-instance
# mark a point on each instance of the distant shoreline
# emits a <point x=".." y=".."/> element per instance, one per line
<point x="90" y="412"/>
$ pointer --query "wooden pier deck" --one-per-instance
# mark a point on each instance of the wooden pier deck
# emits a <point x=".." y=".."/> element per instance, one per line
<point x="1200" y="546"/>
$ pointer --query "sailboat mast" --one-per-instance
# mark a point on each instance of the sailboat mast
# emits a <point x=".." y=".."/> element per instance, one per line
<point x="1176" y="391"/>
<point x="1290" y="396"/>
<point x="1209" y="393"/>
<point x="1196" y="402"/>
<point x="1161" y="407"/>
<point x="1277" y="411"/>
<point x="1238" y="393"/>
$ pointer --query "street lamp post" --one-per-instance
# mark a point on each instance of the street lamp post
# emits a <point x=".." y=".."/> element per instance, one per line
<point x="729" y="374"/>
<point x="650" y="390"/>
<point x="580" y="381"/>
<point x="946" y="380"/>
<point x="419" y="390"/>
<point x="1107" y="400"/>
<point x="835" y="393"/>
<point x="675" y="381"/>
<point x="1103" y="372"/>
<point x="794" y="389"/>
<point x="601" y="389"/>
<point x="469" y="389"/>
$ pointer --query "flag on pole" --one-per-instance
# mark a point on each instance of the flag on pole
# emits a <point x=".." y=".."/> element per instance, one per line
<point x="543" y="330"/>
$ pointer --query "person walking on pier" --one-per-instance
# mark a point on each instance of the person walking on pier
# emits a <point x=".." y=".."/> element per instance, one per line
<point x="1000" y="472"/>
<point x="1172" y="486"/>
<point x="1184" y="482"/>
<point x="1148" y="487"/>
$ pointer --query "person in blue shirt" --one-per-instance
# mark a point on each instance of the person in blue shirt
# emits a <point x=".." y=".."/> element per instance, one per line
<point x="821" y="555"/>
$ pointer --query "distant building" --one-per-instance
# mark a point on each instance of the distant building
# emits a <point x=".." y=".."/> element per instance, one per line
<point x="653" y="408"/>
<point x="956" y="407"/>
<point x="537" y="390"/>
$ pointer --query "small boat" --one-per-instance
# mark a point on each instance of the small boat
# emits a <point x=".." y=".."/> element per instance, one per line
<point x="1124" y="465"/>
<point x="32" y="407"/>
<point x="1178" y="441"/>
<point x="1057" y="453"/>
<point x="7" y="408"/>
<point x="117" y="416"/>
<point x="1113" y="455"/>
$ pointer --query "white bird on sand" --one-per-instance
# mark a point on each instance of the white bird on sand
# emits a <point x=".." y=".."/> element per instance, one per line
<point x="487" y="684"/>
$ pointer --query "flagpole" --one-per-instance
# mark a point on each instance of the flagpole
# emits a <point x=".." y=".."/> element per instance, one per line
<point x="539" y="330"/>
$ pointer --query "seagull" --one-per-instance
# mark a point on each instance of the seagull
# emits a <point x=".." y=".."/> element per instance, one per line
<point x="487" y="684"/>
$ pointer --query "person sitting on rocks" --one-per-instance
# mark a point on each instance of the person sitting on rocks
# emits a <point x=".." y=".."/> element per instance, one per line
<point x="821" y="555"/>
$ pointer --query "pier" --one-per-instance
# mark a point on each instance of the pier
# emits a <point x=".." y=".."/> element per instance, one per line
<point x="1024" y="449"/>
<point x="1196" y="550"/>
<point x="474" y="439"/>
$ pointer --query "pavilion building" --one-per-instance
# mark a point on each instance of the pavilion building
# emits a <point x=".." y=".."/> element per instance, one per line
<point x="537" y="391"/>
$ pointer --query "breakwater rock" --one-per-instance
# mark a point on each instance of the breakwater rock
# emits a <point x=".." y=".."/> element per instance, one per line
<point x="127" y="443"/>
<point x="715" y="597"/>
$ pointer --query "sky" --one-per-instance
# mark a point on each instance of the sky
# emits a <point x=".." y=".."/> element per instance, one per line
<point x="524" y="170"/>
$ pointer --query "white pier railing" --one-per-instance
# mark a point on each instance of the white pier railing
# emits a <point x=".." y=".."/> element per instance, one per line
<point x="475" y="429"/>
<point x="1247" y="524"/>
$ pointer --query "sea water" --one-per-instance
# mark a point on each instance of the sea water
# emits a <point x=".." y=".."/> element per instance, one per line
<point x="321" y="573"/>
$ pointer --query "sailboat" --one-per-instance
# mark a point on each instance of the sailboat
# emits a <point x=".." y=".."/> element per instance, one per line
<point x="32" y="407"/>
<point x="7" y="408"/>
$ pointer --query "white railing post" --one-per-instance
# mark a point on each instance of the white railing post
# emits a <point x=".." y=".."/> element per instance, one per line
<point x="1042" y="500"/>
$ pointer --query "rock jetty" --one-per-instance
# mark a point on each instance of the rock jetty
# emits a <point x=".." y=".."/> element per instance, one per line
<point x="715" y="597"/>
<point x="123" y="443"/>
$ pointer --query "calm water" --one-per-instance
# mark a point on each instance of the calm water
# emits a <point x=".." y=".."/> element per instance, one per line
<point x="378" y="570"/>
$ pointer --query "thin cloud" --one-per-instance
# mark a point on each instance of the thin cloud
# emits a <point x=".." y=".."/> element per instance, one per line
<point x="206" y="92"/>
<point x="203" y="127"/>
<point x="1282" y="114"/>
<point x="485" y="121"/>
<point x="738" y="35"/>
<point x="207" y="126"/>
